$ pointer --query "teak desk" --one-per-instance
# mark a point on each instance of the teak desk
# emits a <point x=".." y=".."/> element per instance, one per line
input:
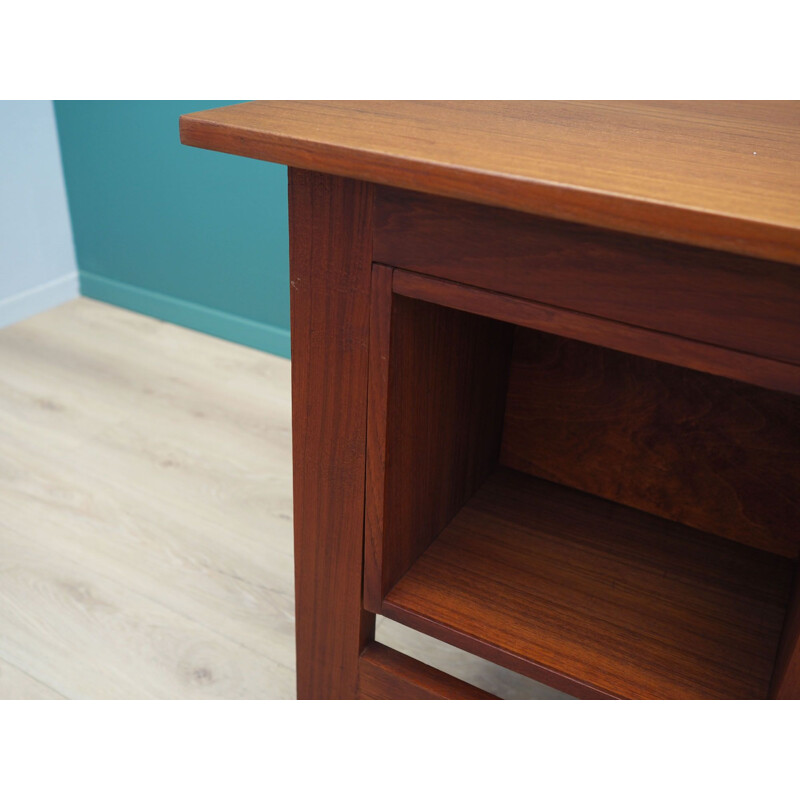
<point x="545" y="378"/>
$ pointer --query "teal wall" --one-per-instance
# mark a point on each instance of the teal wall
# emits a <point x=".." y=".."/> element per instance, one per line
<point x="185" y="235"/>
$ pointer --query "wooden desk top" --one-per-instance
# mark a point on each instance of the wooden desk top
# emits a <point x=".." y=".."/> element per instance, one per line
<point x="715" y="174"/>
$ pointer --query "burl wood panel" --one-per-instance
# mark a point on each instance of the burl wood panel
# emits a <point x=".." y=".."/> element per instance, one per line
<point x="598" y="599"/>
<point x="727" y="300"/>
<point x="442" y="384"/>
<point x="330" y="223"/>
<point x="385" y="674"/>
<point x="712" y="453"/>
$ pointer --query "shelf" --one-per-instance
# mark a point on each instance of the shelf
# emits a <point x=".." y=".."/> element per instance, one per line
<point x="595" y="598"/>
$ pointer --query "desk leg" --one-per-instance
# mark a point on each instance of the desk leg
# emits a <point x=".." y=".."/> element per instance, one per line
<point x="330" y="224"/>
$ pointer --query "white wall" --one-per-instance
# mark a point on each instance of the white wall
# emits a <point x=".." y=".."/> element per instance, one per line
<point x="37" y="257"/>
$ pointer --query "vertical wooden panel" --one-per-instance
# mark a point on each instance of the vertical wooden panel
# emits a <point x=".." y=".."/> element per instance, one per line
<point x="377" y="423"/>
<point x="330" y="223"/>
<point x="786" y="677"/>
<point x="441" y="424"/>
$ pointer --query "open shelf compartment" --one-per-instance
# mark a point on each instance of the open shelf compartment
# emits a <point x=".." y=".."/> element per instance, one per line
<point x="606" y="524"/>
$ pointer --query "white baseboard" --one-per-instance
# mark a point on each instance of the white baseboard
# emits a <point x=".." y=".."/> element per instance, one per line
<point x="32" y="301"/>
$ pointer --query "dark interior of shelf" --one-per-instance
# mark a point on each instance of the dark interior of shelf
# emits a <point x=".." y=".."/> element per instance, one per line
<point x="596" y="598"/>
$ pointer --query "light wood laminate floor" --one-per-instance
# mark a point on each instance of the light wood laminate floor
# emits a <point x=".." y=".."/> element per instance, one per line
<point x="146" y="517"/>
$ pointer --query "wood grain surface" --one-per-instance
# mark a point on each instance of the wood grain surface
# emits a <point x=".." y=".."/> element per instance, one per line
<point x="764" y="372"/>
<point x="597" y="599"/>
<point x="786" y="678"/>
<point x="385" y="674"/>
<point x="722" y="174"/>
<point x="714" y="454"/>
<point x="438" y="397"/>
<point x="15" y="684"/>
<point x="380" y="336"/>
<point x="741" y="303"/>
<point x="330" y="235"/>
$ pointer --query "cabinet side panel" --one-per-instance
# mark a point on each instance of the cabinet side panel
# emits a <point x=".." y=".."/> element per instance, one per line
<point x="330" y="223"/>
<point x="447" y="380"/>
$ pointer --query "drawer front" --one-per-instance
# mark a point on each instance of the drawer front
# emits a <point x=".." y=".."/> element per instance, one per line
<point x="737" y="302"/>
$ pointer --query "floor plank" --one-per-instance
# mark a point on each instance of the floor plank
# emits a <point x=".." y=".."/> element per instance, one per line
<point x="18" y="685"/>
<point x="88" y="637"/>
